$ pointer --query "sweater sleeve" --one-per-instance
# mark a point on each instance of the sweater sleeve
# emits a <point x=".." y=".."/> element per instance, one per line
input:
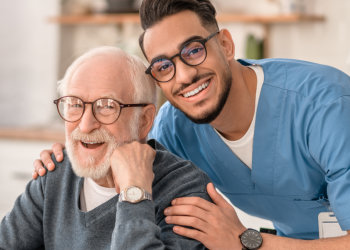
<point x="136" y="228"/>
<point x="22" y="227"/>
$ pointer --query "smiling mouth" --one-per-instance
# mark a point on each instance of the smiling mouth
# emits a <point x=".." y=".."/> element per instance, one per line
<point x="196" y="90"/>
<point x="91" y="145"/>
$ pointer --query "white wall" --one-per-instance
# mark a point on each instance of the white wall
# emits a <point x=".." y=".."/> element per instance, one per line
<point x="324" y="42"/>
<point x="28" y="62"/>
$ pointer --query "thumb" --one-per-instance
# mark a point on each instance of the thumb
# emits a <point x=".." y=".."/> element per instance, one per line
<point x="216" y="197"/>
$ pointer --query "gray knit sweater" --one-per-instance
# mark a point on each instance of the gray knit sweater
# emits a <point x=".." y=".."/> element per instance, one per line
<point x="47" y="214"/>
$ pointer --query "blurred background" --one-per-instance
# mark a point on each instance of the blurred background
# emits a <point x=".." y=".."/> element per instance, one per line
<point x="39" y="39"/>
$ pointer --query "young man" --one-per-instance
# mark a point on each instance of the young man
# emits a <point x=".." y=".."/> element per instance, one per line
<point x="272" y="134"/>
<point x="113" y="186"/>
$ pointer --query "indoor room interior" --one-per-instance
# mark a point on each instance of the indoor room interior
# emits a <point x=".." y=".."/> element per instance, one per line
<point x="41" y="38"/>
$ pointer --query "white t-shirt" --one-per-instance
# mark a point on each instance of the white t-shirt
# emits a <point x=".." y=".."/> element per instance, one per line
<point x="243" y="148"/>
<point x="92" y="195"/>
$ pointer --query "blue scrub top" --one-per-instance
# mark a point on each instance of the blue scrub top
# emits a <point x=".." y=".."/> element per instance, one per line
<point x="301" y="148"/>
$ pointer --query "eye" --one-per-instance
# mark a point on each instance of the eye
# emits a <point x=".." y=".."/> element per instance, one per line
<point x="72" y="104"/>
<point x="75" y="105"/>
<point x="106" y="107"/>
<point x="71" y="108"/>
<point x="192" y="51"/>
<point x="195" y="51"/>
<point x="162" y="65"/>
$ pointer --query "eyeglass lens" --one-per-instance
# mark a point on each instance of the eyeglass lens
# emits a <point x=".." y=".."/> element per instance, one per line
<point x="72" y="108"/>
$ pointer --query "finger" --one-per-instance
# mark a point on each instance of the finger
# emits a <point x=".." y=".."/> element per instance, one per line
<point x="195" y="201"/>
<point x="38" y="169"/>
<point x="37" y="164"/>
<point x="45" y="157"/>
<point x="34" y="175"/>
<point x="191" y="233"/>
<point x="57" y="149"/>
<point x="186" y="210"/>
<point x="42" y="171"/>
<point x="216" y="197"/>
<point x="188" y="221"/>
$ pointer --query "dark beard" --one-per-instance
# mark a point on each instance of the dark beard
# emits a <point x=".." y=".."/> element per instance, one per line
<point x="209" y="116"/>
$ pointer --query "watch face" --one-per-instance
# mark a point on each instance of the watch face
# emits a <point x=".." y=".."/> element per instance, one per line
<point x="133" y="194"/>
<point x="251" y="239"/>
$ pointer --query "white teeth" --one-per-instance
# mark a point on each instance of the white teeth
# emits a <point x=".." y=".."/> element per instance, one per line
<point x="91" y="142"/>
<point x="197" y="90"/>
<point x="86" y="144"/>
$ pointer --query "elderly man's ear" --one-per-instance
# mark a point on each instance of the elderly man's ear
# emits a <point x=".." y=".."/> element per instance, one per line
<point x="146" y="120"/>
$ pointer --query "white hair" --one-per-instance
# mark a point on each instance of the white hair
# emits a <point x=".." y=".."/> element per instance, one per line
<point x="144" y="85"/>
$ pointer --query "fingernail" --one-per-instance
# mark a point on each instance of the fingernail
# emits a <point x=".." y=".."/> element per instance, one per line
<point x="49" y="166"/>
<point x="41" y="171"/>
<point x="166" y="211"/>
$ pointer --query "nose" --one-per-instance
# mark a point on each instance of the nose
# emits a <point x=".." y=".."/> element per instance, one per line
<point x="88" y="121"/>
<point x="184" y="73"/>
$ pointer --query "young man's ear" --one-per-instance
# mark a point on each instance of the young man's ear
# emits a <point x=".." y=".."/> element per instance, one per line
<point x="146" y="120"/>
<point x="227" y="44"/>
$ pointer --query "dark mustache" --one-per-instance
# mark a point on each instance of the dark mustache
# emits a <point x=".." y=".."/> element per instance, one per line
<point x="194" y="80"/>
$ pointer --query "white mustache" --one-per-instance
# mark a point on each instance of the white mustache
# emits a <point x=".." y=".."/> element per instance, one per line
<point x="98" y="136"/>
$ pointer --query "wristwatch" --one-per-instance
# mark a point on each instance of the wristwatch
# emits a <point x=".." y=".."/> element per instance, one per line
<point x="251" y="239"/>
<point x="134" y="194"/>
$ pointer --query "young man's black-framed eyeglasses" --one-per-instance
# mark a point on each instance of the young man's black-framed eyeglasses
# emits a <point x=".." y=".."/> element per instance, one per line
<point x="193" y="53"/>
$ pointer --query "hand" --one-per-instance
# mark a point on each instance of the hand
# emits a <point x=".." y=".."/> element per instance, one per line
<point x="215" y="225"/>
<point x="132" y="165"/>
<point x="45" y="159"/>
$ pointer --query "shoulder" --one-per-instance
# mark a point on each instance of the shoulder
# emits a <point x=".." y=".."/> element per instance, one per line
<point x="175" y="174"/>
<point x="316" y="82"/>
<point x="174" y="130"/>
<point x="168" y="118"/>
<point x="61" y="176"/>
<point x="62" y="168"/>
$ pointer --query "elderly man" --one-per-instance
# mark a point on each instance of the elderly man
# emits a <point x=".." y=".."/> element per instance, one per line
<point x="112" y="187"/>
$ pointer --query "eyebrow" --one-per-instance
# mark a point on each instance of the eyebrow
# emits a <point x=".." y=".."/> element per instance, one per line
<point x="190" y="39"/>
<point x="179" y="47"/>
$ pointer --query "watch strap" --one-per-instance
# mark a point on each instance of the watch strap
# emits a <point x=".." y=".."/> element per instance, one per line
<point x="146" y="195"/>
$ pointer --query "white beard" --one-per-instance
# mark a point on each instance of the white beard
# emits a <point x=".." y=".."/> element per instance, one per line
<point x="88" y="167"/>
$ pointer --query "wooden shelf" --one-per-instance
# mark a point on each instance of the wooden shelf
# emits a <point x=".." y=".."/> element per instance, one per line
<point x="222" y="18"/>
<point x="270" y="19"/>
<point x="96" y="19"/>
